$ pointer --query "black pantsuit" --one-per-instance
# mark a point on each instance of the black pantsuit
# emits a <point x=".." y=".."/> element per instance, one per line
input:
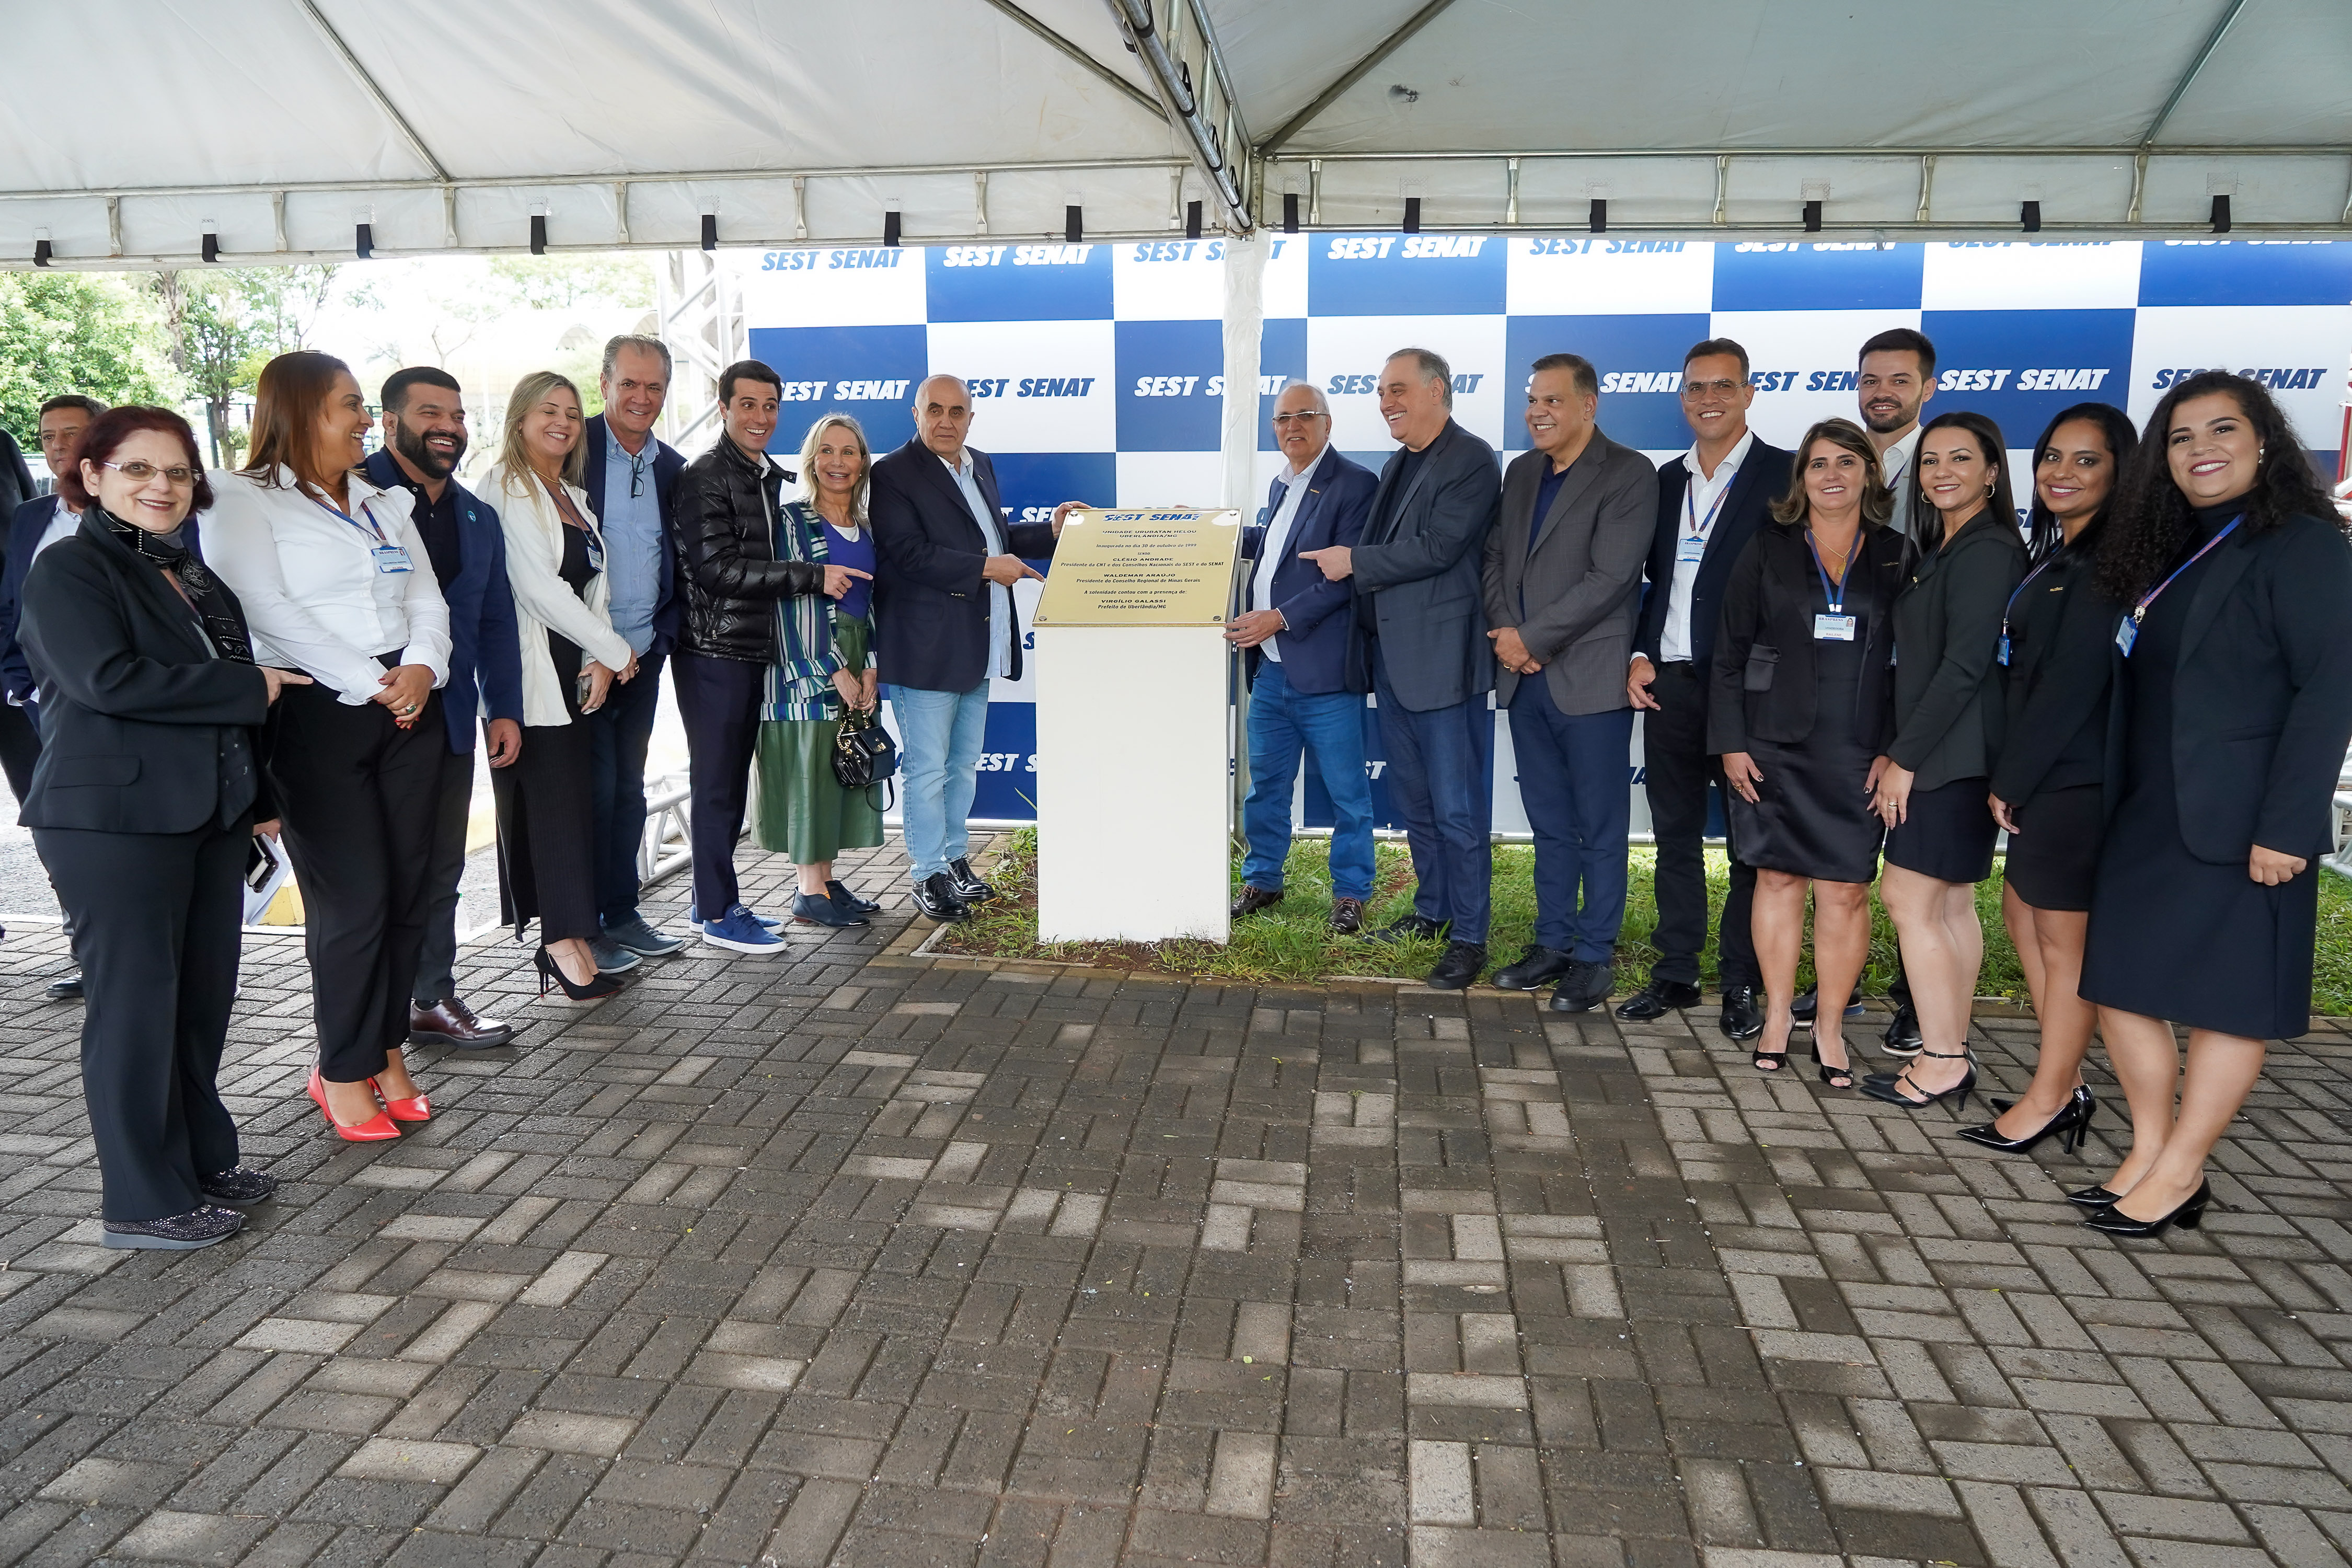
<point x="436" y="960"/>
<point x="547" y="821"/>
<point x="359" y="798"/>
<point x="1678" y="775"/>
<point x="719" y="700"/>
<point x="157" y="920"/>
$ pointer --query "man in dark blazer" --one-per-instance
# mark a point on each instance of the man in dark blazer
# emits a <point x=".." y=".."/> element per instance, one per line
<point x="1711" y="501"/>
<point x="1563" y="568"/>
<point x="424" y="442"/>
<point x="631" y="476"/>
<point x="945" y="623"/>
<point x="1296" y="625"/>
<point x="1422" y="641"/>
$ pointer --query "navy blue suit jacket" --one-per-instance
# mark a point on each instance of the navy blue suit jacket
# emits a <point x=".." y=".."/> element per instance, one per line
<point x="485" y="651"/>
<point x="667" y="466"/>
<point x="930" y="599"/>
<point x="1320" y="613"/>
<point x="25" y="531"/>
<point x="1763" y="478"/>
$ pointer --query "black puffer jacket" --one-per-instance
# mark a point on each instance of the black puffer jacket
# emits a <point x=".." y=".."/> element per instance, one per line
<point x="730" y="577"/>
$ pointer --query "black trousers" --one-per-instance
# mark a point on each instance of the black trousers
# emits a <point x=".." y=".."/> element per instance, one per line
<point x="453" y="804"/>
<point x="545" y="824"/>
<point x="360" y="798"/>
<point x="1677" y="776"/>
<point x="719" y="700"/>
<point x="20" y="748"/>
<point x="156" y="919"/>
<point x="618" y="735"/>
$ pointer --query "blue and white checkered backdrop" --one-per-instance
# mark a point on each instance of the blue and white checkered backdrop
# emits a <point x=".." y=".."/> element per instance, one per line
<point x="1096" y="368"/>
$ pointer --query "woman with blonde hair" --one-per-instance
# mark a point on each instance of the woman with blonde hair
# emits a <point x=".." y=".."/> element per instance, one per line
<point x="335" y="583"/>
<point x="825" y="670"/>
<point x="571" y="657"/>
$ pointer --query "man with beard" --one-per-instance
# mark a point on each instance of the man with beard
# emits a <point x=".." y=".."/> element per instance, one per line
<point x="425" y="440"/>
<point x="1894" y="378"/>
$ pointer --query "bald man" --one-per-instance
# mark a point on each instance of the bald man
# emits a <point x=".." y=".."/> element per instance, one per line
<point x="945" y="623"/>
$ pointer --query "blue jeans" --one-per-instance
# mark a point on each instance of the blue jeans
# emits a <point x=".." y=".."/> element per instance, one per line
<point x="1575" y="779"/>
<point x="941" y="733"/>
<point x="619" y="734"/>
<point x="1284" y="722"/>
<point x="1440" y="773"/>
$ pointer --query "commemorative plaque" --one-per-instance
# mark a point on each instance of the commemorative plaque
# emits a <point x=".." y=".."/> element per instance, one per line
<point x="1142" y="566"/>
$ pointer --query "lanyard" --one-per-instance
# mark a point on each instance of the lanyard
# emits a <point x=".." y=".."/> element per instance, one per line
<point x="2021" y="588"/>
<point x="2140" y="611"/>
<point x="1690" y="506"/>
<point x="369" y="527"/>
<point x="1835" y="597"/>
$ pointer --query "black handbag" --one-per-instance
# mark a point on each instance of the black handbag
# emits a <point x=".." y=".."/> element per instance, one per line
<point x="863" y="752"/>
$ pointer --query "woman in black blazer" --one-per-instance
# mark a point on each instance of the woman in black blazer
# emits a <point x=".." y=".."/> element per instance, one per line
<point x="1798" y="705"/>
<point x="1947" y="721"/>
<point x="2054" y="650"/>
<point x="2234" y="706"/>
<point x="142" y="810"/>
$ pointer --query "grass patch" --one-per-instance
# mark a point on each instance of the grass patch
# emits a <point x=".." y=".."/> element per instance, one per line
<point x="1288" y="943"/>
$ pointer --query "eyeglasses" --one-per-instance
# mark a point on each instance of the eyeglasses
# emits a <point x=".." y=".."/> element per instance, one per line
<point x="1694" y="390"/>
<point x="1297" y="418"/>
<point x="139" y="473"/>
<point x="636" y="475"/>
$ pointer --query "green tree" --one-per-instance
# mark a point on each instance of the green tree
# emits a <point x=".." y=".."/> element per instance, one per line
<point x="567" y="282"/>
<point x="96" y="333"/>
<point x="225" y="323"/>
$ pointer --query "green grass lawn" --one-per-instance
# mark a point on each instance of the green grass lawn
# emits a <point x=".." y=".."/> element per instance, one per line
<point x="1288" y="943"/>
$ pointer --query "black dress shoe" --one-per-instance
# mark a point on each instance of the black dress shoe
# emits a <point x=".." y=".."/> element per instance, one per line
<point x="819" y="910"/>
<point x="1584" y="987"/>
<point x="1808" y="1005"/>
<point x="1463" y="964"/>
<point x="238" y="1185"/>
<point x="452" y="1023"/>
<point x="1409" y="927"/>
<point x="850" y="901"/>
<point x="1253" y="899"/>
<point x="1742" y="1019"/>
<point x="1538" y="966"/>
<point x="1657" y="999"/>
<point x="967" y="884"/>
<point x="200" y="1227"/>
<point x="1902" y="1037"/>
<point x="65" y="988"/>
<point x="1346" y="917"/>
<point x="2093" y="1197"/>
<point x="2187" y="1216"/>
<point x="935" y="894"/>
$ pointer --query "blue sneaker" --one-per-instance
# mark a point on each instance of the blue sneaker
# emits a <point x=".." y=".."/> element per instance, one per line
<point x="694" y="917"/>
<point x="741" y="931"/>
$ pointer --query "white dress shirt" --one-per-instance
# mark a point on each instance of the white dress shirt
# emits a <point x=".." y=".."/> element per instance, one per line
<point x="1277" y="540"/>
<point x="314" y="597"/>
<point x="1895" y="466"/>
<point x="65" y="524"/>
<point x="991" y="529"/>
<point x="1702" y="510"/>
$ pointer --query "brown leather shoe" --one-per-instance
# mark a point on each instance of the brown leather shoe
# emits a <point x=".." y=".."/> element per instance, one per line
<point x="452" y="1023"/>
<point x="1347" y="916"/>
<point x="1254" y="899"/>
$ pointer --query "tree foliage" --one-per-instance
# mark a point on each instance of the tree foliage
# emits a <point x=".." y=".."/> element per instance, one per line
<point x="96" y="333"/>
<point x="225" y="323"/>
<point x="568" y="282"/>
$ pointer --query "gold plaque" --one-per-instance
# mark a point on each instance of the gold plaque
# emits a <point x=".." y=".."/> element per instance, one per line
<point x="1142" y="566"/>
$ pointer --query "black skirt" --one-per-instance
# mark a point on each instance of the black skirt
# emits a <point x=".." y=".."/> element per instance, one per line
<point x="2054" y="855"/>
<point x="1947" y="833"/>
<point x="1811" y="816"/>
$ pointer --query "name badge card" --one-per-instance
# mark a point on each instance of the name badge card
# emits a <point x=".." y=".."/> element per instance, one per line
<point x="1833" y="629"/>
<point x="1691" y="551"/>
<point x="390" y="558"/>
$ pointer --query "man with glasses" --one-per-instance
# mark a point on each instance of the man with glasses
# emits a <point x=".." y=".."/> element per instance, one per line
<point x="37" y="524"/>
<point x="1711" y="501"/>
<point x="1296" y="629"/>
<point x="632" y="483"/>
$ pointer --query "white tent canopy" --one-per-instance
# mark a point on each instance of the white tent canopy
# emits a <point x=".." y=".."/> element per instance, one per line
<point x="135" y="128"/>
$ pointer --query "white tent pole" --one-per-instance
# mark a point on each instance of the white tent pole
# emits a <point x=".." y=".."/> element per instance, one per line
<point x="1245" y="321"/>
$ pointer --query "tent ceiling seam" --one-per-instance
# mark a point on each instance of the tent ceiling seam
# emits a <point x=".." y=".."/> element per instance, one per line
<point x="1132" y="92"/>
<point x="2180" y="88"/>
<point x="375" y="90"/>
<point x="1351" y="76"/>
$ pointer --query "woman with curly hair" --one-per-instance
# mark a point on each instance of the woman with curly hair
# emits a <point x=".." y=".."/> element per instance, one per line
<point x="2234" y="701"/>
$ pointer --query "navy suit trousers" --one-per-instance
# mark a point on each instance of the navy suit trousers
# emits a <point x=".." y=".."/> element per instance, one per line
<point x="1575" y="780"/>
<point x="1441" y="784"/>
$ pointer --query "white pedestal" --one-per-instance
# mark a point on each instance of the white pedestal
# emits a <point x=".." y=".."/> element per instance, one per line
<point x="1134" y="783"/>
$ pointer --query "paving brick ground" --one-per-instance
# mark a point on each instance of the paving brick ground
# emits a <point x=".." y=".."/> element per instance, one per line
<point x="851" y="1258"/>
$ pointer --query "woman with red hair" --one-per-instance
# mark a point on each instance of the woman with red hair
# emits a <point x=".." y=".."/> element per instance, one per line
<point x="142" y="806"/>
<point x="337" y="585"/>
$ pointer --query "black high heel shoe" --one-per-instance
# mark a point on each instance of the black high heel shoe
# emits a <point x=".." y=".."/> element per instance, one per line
<point x="2072" y="1124"/>
<point x="2187" y="1216"/>
<point x="1890" y="1086"/>
<point x="1829" y="1075"/>
<point x="2095" y="1197"/>
<point x="596" y="990"/>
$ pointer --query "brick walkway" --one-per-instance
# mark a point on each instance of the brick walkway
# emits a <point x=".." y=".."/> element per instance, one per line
<point x="851" y="1258"/>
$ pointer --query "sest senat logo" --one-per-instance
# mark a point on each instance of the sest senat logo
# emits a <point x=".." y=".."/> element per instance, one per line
<point x="1465" y="382"/>
<point x="2278" y="378"/>
<point x="1020" y="255"/>
<point x="844" y="391"/>
<point x="1404" y="247"/>
<point x="830" y="260"/>
<point x="1031" y="386"/>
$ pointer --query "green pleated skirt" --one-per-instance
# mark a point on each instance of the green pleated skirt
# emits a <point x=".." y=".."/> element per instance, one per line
<point x="803" y="812"/>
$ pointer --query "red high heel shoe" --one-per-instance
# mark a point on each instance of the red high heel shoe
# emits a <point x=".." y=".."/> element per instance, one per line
<point x="374" y="1130"/>
<point x="417" y="1109"/>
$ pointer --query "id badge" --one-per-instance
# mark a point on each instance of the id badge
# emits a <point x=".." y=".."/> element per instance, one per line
<point x="391" y="558"/>
<point x="2126" y="634"/>
<point x="1833" y="629"/>
<point x="1690" y="552"/>
<point x="2001" y="651"/>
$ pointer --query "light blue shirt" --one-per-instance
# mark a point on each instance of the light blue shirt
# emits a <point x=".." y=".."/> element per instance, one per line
<point x="991" y="529"/>
<point x="633" y="540"/>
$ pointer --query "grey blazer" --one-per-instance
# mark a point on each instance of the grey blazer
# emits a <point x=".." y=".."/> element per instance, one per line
<point x="1575" y="598"/>
<point x="1416" y="573"/>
